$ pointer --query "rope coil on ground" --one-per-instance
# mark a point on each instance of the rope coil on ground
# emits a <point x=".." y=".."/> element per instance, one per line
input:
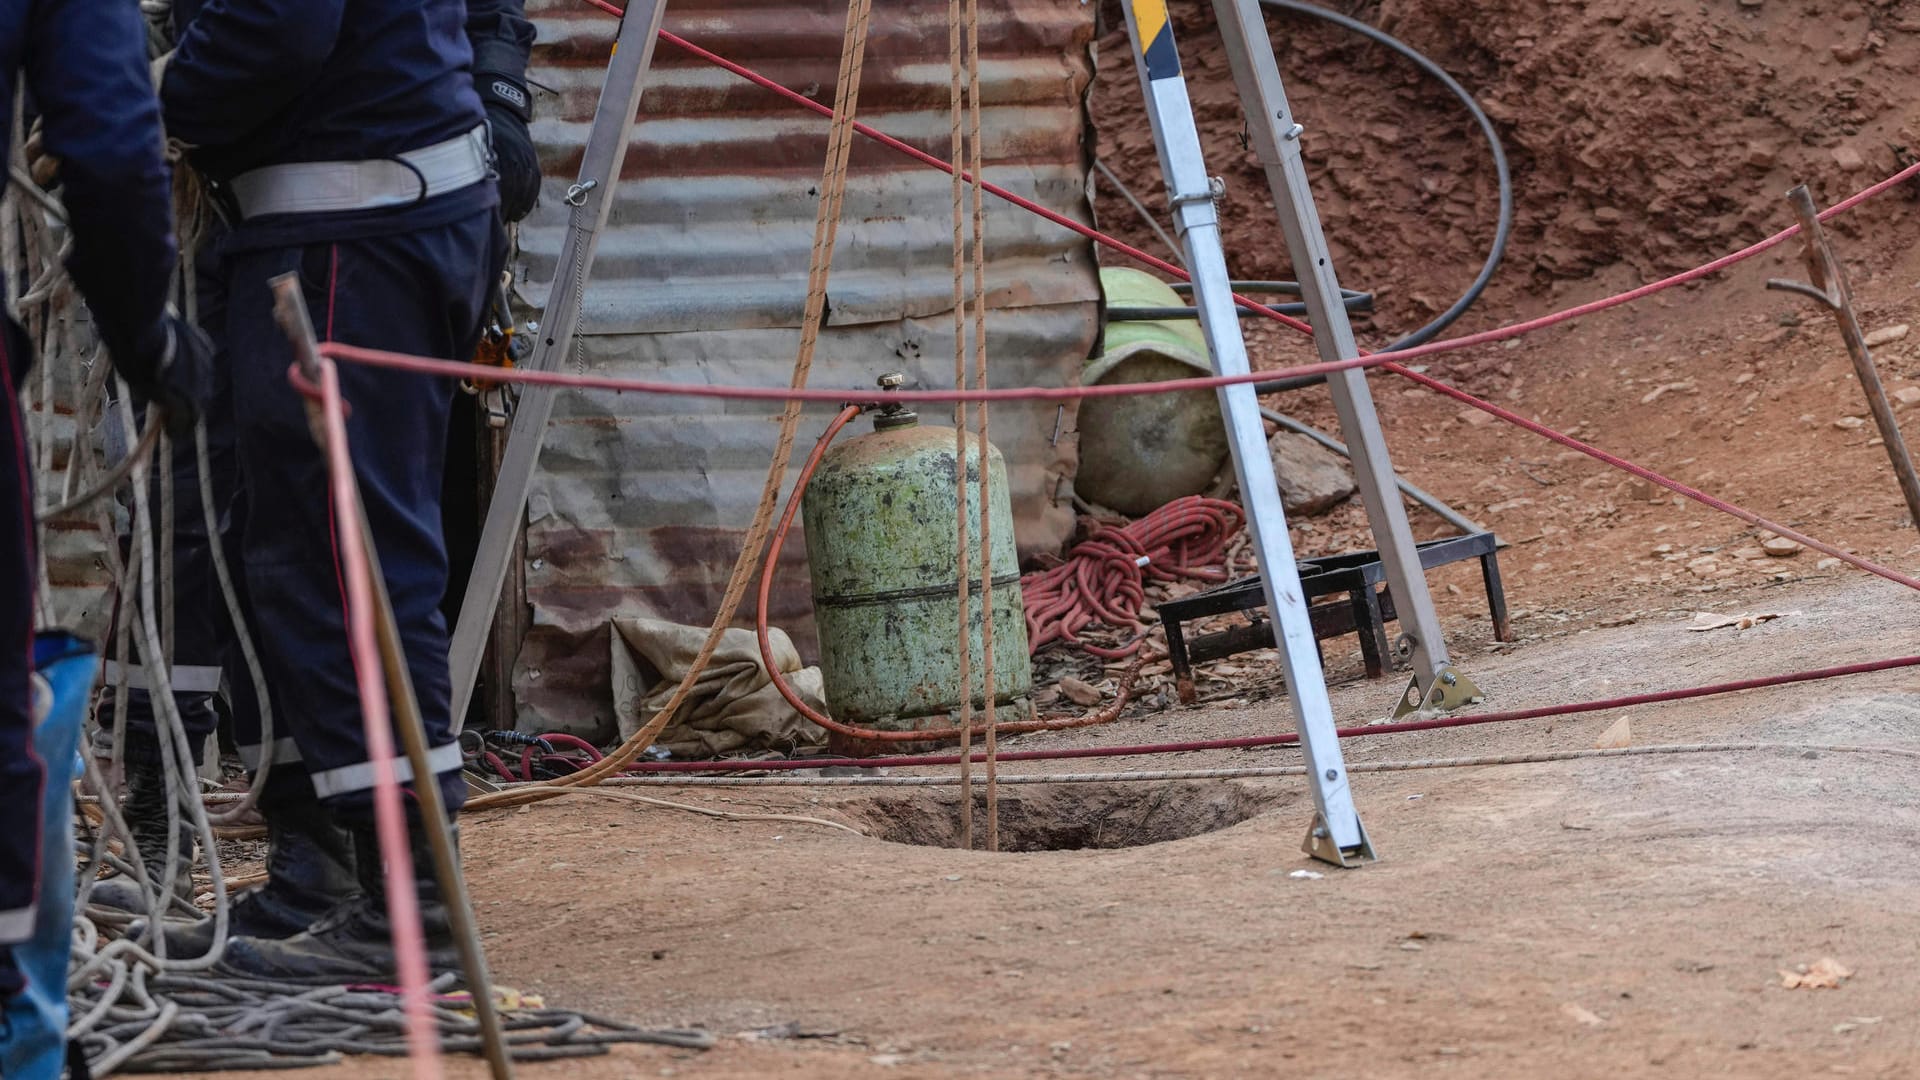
<point x="1104" y="577"/>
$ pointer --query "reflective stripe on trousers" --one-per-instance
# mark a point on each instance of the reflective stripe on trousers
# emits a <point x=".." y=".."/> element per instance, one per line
<point x="185" y="679"/>
<point x="350" y="778"/>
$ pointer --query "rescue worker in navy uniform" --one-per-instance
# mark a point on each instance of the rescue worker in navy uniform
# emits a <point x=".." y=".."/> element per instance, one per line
<point x="310" y="859"/>
<point x="86" y="78"/>
<point x="355" y="143"/>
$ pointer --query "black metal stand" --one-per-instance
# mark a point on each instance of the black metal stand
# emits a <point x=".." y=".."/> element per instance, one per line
<point x="1366" y="610"/>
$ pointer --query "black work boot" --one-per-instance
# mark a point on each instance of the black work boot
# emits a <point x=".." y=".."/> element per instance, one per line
<point x="145" y="812"/>
<point x="310" y="871"/>
<point x="353" y="942"/>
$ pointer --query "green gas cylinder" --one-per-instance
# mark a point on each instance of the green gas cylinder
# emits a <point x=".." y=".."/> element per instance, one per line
<point x="1139" y="453"/>
<point x="880" y="517"/>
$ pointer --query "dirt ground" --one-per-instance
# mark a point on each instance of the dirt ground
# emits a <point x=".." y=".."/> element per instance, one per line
<point x="1601" y="917"/>
<point x="1607" y="917"/>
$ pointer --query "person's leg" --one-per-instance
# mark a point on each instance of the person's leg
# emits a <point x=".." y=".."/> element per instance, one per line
<point x="201" y="635"/>
<point x="22" y="773"/>
<point x="33" y="1038"/>
<point x="419" y="293"/>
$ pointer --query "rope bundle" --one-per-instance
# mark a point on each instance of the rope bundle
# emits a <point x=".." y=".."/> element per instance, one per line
<point x="1104" y="580"/>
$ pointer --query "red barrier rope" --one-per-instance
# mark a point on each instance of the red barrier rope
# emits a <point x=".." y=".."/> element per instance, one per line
<point x="1393" y="361"/>
<point x="1644" y="473"/>
<point x="389" y="815"/>
<point x="1429" y="349"/>
<point x="1254" y="742"/>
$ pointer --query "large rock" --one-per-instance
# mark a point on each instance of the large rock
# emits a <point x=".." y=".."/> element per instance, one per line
<point x="1312" y="478"/>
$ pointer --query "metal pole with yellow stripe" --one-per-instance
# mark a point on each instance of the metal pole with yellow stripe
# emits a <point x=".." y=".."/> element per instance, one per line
<point x="1337" y="835"/>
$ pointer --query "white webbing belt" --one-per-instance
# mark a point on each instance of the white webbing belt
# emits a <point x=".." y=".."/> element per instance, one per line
<point x="320" y="187"/>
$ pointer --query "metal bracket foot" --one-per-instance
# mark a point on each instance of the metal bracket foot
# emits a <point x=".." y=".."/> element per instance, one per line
<point x="1451" y="690"/>
<point x="1320" y="845"/>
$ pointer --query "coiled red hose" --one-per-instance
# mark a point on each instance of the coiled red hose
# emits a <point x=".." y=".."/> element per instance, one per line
<point x="1105" y="576"/>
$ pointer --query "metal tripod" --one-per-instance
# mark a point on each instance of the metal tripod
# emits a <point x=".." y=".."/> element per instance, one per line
<point x="1337" y="835"/>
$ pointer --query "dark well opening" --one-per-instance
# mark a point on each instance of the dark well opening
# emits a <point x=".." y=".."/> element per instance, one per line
<point x="1066" y="817"/>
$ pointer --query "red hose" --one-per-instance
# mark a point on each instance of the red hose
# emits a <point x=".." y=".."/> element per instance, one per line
<point x="765" y="634"/>
<point x="556" y="738"/>
<point x="1104" y="578"/>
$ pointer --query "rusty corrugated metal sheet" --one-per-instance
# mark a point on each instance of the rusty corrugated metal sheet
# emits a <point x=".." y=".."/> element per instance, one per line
<point x="640" y="504"/>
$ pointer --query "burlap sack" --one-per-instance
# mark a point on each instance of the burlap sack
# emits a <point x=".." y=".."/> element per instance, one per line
<point x="734" y="707"/>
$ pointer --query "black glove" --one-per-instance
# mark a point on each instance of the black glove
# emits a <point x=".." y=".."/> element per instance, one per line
<point x="177" y="375"/>
<point x="509" y="107"/>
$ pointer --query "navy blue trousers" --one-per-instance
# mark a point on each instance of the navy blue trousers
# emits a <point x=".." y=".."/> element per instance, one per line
<point x="422" y="292"/>
<point x="21" y="773"/>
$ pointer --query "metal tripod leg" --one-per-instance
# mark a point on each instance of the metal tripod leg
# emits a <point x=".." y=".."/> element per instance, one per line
<point x="591" y="199"/>
<point x="1276" y="138"/>
<point x="1337" y="835"/>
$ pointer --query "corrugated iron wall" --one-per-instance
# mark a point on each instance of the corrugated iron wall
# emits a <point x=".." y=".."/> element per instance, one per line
<point x="641" y="503"/>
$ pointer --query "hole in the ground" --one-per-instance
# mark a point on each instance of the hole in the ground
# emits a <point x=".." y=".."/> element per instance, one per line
<point x="1067" y="817"/>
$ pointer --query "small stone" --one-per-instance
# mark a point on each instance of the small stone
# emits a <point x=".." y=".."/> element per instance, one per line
<point x="1616" y="737"/>
<point x="1886" y="335"/>
<point x="1749" y="552"/>
<point x="1828" y="563"/>
<point x="1751" y="3"/>
<point x="1780" y="547"/>
<point x="1081" y="693"/>
<point x="1312" y="478"/>
<point x="1849" y="52"/>
<point x="1848" y="159"/>
<point x="1850" y="423"/>
<point x="1907" y="395"/>
<point x="1476" y="418"/>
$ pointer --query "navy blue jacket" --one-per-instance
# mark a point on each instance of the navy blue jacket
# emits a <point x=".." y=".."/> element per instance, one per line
<point x="86" y="68"/>
<point x="269" y="82"/>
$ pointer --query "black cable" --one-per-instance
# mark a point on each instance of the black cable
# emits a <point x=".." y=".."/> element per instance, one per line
<point x="1351" y="299"/>
<point x="1360" y="302"/>
<point x="1502" y="230"/>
